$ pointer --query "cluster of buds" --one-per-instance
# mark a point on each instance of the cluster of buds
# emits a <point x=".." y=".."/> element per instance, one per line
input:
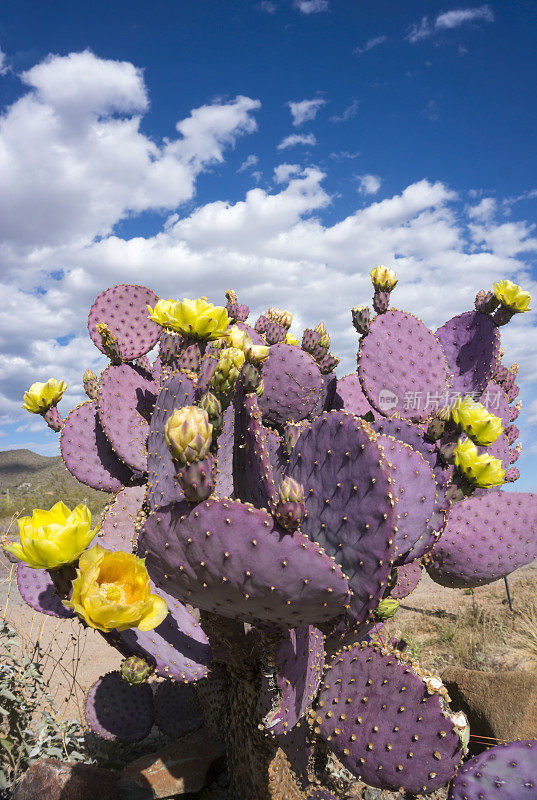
<point x="290" y="506"/>
<point x="361" y="319"/>
<point x="283" y="318"/>
<point x="384" y="281"/>
<point x="189" y="436"/>
<point x="109" y="343"/>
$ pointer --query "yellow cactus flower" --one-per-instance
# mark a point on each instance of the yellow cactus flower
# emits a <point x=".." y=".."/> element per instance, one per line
<point x="257" y="353"/>
<point x="383" y="279"/>
<point x="50" y="539"/>
<point x="196" y="319"/>
<point x="235" y="337"/>
<point x="482" y="470"/>
<point x="42" y="396"/>
<point x="482" y="426"/>
<point x="188" y="434"/>
<point x="162" y="314"/>
<point x="512" y="296"/>
<point x="291" y="339"/>
<point x="112" y="591"/>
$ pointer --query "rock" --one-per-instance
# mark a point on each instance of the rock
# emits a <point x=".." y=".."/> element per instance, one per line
<point x="499" y="705"/>
<point x="58" y="780"/>
<point x="183" y="767"/>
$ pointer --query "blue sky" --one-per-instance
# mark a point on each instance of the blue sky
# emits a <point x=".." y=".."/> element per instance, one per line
<point x="281" y="148"/>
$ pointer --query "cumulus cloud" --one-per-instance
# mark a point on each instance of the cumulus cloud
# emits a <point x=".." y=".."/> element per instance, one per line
<point x="74" y="160"/>
<point x="305" y="110"/>
<point x="3" y="63"/>
<point x="248" y="163"/>
<point x="297" y="138"/>
<point x="283" y="172"/>
<point x="448" y="20"/>
<point x="312" y="6"/>
<point x="376" y="41"/>
<point x="369" y="184"/>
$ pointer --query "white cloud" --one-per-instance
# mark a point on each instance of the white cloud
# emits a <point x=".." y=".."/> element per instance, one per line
<point x="312" y="6"/>
<point x="376" y="41"/>
<point x="484" y="210"/>
<point x="75" y="134"/>
<point x="305" y="110"/>
<point x="348" y="113"/>
<point x="460" y="16"/>
<point x="297" y="138"/>
<point x="248" y="163"/>
<point x="448" y="20"/>
<point x="283" y="172"/>
<point x="268" y="6"/>
<point x="3" y="65"/>
<point x="369" y="184"/>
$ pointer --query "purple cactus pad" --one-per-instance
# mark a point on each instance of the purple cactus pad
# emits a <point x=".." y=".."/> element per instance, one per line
<point x="176" y="709"/>
<point x="350" y="397"/>
<point x="414" y="489"/>
<point x="485" y="538"/>
<point x="37" y="588"/>
<point x="299" y="661"/>
<point x="124" y="309"/>
<point x="233" y="559"/>
<point x="116" y="529"/>
<point x="252" y="470"/>
<point x="377" y="716"/>
<point x="224" y="462"/>
<point x="87" y="453"/>
<point x="408" y="577"/>
<point x="402" y="367"/>
<point x="495" y="401"/>
<point x="505" y="772"/>
<point x="326" y="397"/>
<point x="118" y="711"/>
<point x="471" y="343"/>
<point x="162" y="483"/>
<point x="292" y="385"/>
<point x="350" y="511"/>
<point x="126" y="400"/>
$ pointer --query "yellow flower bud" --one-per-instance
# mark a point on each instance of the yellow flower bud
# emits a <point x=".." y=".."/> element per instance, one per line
<point x="235" y="337"/>
<point x="42" y="396"/>
<point x="196" y="319"/>
<point x="162" y="314"/>
<point x="257" y="353"/>
<point x="50" y="539"/>
<point x="512" y="296"/>
<point x="233" y="355"/>
<point x="291" y="339"/>
<point x="112" y="591"/>
<point x="482" y="470"/>
<point x="188" y="434"/>
<point x="482" y="426"/>
<point x="383" y="279"/>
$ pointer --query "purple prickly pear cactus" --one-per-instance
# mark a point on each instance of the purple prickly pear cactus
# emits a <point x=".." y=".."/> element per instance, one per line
<point x="314" y="498"/>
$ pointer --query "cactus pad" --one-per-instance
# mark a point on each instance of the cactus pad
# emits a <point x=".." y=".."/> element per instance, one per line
<point x="414" y="489"/>
<point x="471" y="343"/>
<point x="349" y="507"/>
<point x="37" y="588"/>
<point x="233" y="559"/>
<point x="408" y="577"/>
<point x="505" y="772"/>
<point x="119" y="711"/>
<point x="486" y="538"/>
<point x="127" y="396"/>
<point x="117" y="526"/>
<point x="124" y="309"/>
<point x="253" y="479"/>
<point x="176" y="709"/>
<point x="299" y="661"/>
<point x="88" y="455"/>
<point x="292" y="385"/>
<point x="401" y="366"/>
<point x="378" y="717"/>
<point x="349" y="396"/>
<point x="162" y="484"/>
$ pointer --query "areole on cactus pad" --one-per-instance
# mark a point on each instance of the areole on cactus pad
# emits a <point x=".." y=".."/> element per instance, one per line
<point x="278" y="511"/>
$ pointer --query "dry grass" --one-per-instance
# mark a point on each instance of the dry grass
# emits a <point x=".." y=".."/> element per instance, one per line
<point x="525" y="636"/>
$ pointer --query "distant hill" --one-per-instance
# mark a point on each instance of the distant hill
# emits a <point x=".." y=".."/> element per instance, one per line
<point x="29" y="480"/>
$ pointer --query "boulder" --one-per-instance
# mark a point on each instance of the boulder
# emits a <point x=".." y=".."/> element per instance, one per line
<point x="499" y="705"/>
<point x="58" y="780"/>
